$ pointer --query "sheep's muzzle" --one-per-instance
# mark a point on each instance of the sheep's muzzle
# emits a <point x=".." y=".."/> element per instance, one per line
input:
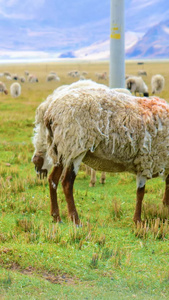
<point x="38" y="162"/>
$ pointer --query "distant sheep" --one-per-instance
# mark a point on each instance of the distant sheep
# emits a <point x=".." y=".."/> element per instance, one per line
<point x="137" y="85"/>
<point x="102" y="76"/>
<point x="157" y="83"/>
<point x="109" y="131"/>
<point x="52" y="77"/>
<point x="3" y="88"/>
<point x="27" y="73"/>
<point x="142" y="73"/>
<point x="15" y="89"/>
<point x="22" y="79"/>
<point x="32" y="78"/>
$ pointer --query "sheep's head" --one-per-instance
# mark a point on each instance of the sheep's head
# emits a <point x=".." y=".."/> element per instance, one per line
<point x="41" y="166"/>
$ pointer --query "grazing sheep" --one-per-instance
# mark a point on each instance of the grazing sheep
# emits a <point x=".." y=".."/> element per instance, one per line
<point x="22" y="79"/>
<point x="3" y="88"/>
<point x="32" y="78"/>
<point x="142" y="73"/>
<point x="109" y="131"/>
<point x="15" y="89"/>
<point x="26" y="73"/>
<point x="52" y="77"/>
<point x="137" y="85"/>
<point x="102" y="76"/>
<point x="157" y="83"/>
<point x="6" y="73"/>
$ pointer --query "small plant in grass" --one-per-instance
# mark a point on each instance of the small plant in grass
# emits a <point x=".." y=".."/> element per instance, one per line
<point x="115" y="210"/>
<point x="94" y="261"/>
<point x="52" y="234"/>
<point x="106" y="253"/>
<point x="157" y="228"/>
<point x="152" y="211"/>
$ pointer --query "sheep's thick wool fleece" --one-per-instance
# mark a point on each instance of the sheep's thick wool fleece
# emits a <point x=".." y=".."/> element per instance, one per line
<point x="129" y="130"/>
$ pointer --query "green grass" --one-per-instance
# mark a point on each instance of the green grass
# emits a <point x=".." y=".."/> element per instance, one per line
<point x="108" y="257"/>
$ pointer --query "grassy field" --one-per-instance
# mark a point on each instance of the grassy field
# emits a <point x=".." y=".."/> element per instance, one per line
<point x="106" y="258"/>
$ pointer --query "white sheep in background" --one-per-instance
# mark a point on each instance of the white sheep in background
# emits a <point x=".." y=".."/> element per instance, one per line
<point x="32" y="78"/>
<point x="52" y="77"/>
<point x="157" y="83"/>
<point x="137" y="85"/>
<point x="15" y="89"/>
<point x="3" y="88"/>
<point x="22" y="79"/>
<point x="142" y="73"/>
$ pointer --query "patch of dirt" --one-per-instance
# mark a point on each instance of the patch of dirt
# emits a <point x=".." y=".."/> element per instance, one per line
<point x="55" y="279"/>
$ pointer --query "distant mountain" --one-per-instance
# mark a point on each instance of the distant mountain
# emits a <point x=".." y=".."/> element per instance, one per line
<point x="154" y="44"/>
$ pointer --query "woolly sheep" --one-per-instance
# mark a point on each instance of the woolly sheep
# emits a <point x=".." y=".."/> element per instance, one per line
<point x="3" y="88"/>
<point x="109" y="131"/>
<point x="15" y="89"/>
<point x="157" y="83"/>
<point x="137" y="85"/>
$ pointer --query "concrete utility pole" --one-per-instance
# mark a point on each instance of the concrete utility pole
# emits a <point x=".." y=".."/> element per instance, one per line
<point x="117" y="45"/>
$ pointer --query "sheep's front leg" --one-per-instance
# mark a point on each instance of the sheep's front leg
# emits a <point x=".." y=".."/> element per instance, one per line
<point x="166" y="193"/>
<point x="92" y="178"/>
<point x="140" y="196"/>
<point x="67" y="184"/>
<point x="53" y="183"/>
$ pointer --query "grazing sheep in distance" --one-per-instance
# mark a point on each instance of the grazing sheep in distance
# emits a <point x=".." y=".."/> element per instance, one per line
<point x="3" y="88"/>
<point x="52" y="77"/>
<point x="142" y="73"/>
<point x="32" y="78"/>
<point x="15" y="89"/>
<point x="26" y="73"/>
<point x="22" y="79"/>
<point x="102" y="76"/>
<point x="157" y="83"/>
<point x="109" y="131"/>
<point x="137" y="85"/>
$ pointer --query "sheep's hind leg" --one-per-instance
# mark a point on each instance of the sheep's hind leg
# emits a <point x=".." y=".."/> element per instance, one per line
<point x="140" y="196"/>
<point x="53" y="183"/>
<point x="166" y="193"/>
<point x="67" y="184"/>
<point x="103" y="178"/>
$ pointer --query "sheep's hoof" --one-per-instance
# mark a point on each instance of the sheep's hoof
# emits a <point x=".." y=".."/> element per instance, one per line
<point x="137" y="220"/>
<point x="91" y="184"/>
<point x="56" y="219"/>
